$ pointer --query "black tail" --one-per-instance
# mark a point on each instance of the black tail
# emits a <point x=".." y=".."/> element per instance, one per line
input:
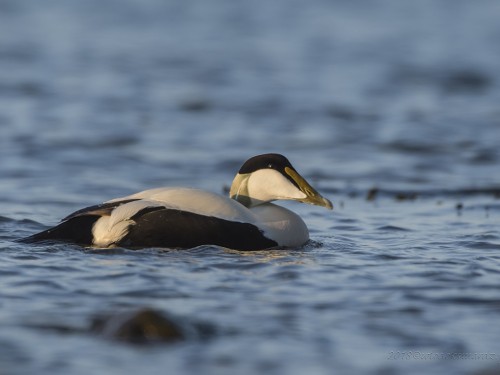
<point x="76" y="230"/>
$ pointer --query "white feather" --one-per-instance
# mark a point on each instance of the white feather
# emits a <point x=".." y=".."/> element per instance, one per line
<point x="111" y="229"/>
<point x="195" y="201"/>
<point x="282" y="225"/>
<point x="266" y="185"/>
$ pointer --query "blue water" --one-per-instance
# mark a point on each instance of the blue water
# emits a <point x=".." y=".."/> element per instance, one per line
<point x="392" y="101"/>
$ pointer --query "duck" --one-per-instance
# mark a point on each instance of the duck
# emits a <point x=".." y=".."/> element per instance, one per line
<point x="182" y="218"/>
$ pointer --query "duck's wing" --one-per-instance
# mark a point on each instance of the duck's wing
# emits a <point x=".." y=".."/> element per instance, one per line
<point x="78" y="226"/>
<point x="103" y="209"/>
<point x="76" y="230"/>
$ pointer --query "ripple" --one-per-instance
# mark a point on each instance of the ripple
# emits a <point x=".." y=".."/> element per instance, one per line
<point x="408" y="259"/>
<point x="5" y="219"/>
<point x="392" y="228"/>
<point x="40" y="283"/>
<point x="232" y="266"/>
<point x="286" y="275"/>
<point x="481" y="245"/>
<point x="389" y="257"/>
<point x="349" y="228"/>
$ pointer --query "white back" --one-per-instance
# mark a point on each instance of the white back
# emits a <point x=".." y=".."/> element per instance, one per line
<point x="195" y="201"/>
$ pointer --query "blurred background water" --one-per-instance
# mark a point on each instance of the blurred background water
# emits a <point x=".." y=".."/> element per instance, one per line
<point x="391" y="109"/>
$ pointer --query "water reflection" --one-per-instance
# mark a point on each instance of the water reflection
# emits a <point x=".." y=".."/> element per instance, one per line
<point x="392" y="109"/>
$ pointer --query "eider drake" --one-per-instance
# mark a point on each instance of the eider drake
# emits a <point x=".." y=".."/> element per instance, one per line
<point x="186" y="218"/>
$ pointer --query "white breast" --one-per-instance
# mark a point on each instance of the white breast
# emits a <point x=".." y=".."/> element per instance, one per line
<point x="282" y="225"/>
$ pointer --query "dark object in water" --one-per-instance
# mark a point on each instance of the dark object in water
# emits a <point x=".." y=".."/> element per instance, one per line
<point x="372" y="194"/>
<point x="405" y="196"/>
<point x="466" y="81"/>
<point x="143" y="326"/>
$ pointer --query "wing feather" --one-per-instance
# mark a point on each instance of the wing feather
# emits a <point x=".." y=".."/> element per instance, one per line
<point x="103" y="209"/>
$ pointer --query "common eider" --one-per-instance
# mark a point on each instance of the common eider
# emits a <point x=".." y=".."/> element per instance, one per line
<point x="185" y="217"/>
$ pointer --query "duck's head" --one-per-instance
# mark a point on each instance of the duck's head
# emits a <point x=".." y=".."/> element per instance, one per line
<point x="270" y="177"/>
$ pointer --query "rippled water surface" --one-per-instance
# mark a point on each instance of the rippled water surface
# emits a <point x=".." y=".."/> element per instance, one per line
<point x="390" y="109"/>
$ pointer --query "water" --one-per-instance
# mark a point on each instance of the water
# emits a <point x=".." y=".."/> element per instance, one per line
<point x="396" y="102"/>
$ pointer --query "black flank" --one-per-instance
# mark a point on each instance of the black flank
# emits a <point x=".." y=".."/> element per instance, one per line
<point x="180" y="229"/>
<point x="76" y="230"/>
<point x="77" y="227"/>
